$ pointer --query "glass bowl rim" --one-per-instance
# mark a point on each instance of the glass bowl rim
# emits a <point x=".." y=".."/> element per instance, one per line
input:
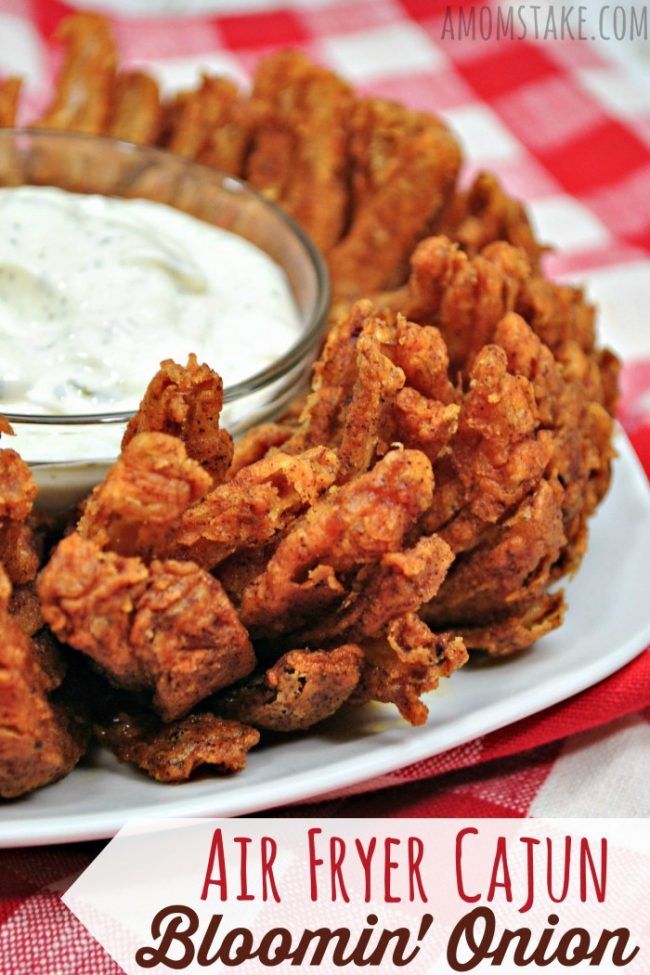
<point x="252" y="384"/>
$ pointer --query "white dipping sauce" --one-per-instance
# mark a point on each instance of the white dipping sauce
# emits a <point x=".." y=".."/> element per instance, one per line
<point x="95" y="291"/>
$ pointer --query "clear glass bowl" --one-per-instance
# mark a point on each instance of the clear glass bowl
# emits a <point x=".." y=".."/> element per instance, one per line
<point x="91" y="164"/>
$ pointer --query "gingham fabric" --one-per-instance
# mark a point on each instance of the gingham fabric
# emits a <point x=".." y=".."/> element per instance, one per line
<point x="566" y="124"/>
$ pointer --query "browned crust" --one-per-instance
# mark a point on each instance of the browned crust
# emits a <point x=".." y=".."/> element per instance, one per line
<point x="173" y="753"/>
<point x="167" y="629"/>
<point x="137" y="509"/>
<point x="405" y="663"/>
<point x="85" y="85"/>
<point x="10" y="90"/>
<point x="42" y="734"/>
<point x="302" y="689"/>
<point x="186" y="402"/>
<point x="136" y="112"/>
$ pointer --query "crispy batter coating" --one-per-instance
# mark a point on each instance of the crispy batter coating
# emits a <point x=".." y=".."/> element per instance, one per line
<point x="512" y="566"/>
<point x="608" y="367"/>
<point x="228" y="144"/>
<point x="464" y="297"/>
<point x="270" y="157"/>
<point x="558" y="313"/>
<point x="401" y="583"/>
<point x="9" y="95"/>
<point x="467" y="296"/>
<point x="137" y="508"/>
<point x="256" y="443"/>
<point x="519" y="630"/>
<point x="380" y="380"/>
<point x="377" y="381"/>
<point x="5" y="427"/>
<point x="172" y="109"/>
<point x="300" y="152"/>
<point x="527" y="416"/>
<point x="497" y="456"/>
<point x="17" y="488"/>
<point x="136" y="113"/>
<point x="581" y="427"/>
<point x="422" y="423"/>
<point x="255" y="505"/>
<point x="20" y="551"/>
<point x="186" y="402"/>
<point x="404" y="166"/>
<point x="50" y="656"/>
<point x="84" y="87"/>
<point x="528" y="357"/>
<point x="41" y="737"/>
<point x="547" y="333"/>
<point x="350" y="527"/>
<point x="406" y="663"/>
<point x="173" y="752"/>
<point x="5" y="590"/>
<point x="333" y="378"/>
<point x="200" y="112"/>
<point x="420" y="351"/>
<point x="525" y="470"/>
<point x="485" y="213"/>
<point x="241" y="568"/>
<point x="303" y="688"/>
<point x="25" y="608"/>
<point x="20" y="546"/>
<point x="167" y="628"/>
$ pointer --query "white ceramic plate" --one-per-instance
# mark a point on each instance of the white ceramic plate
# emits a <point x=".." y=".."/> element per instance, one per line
<point x="608" y="624"/>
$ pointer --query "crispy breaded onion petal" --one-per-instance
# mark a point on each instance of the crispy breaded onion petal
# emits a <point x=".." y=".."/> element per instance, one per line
<point x="42" y="733"/>
<point x="167" y="629"/>
<point x="301" y="689"/>
<point x="186" y="402"/>
<point x="173" y="752"/>
<point x="84" y="87"/>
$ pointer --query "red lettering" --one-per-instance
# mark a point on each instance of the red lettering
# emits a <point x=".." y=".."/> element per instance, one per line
<point x="337" y="854"/>
<point x="269" y="851"/>
<point x="216" y="853"/>
<point x="243" y="894"/>
<point x="314" y="862"/>
<point x="469" y="899"/>
<point x="586" y="859"/>
<point x="415" y="857"/>
<point x="530" y="843"/>
<point x="549" y="869"/>
<point x="500" y="866"/>
<point x="366" y="861"/>
<point x="389" y="866"/>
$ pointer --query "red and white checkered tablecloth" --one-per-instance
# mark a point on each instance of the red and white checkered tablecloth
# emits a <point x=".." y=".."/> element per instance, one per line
<point x="566" y="124"/>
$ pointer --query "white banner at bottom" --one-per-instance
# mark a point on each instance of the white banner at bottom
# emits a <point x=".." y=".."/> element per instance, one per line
<point x="420" y="896"/>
